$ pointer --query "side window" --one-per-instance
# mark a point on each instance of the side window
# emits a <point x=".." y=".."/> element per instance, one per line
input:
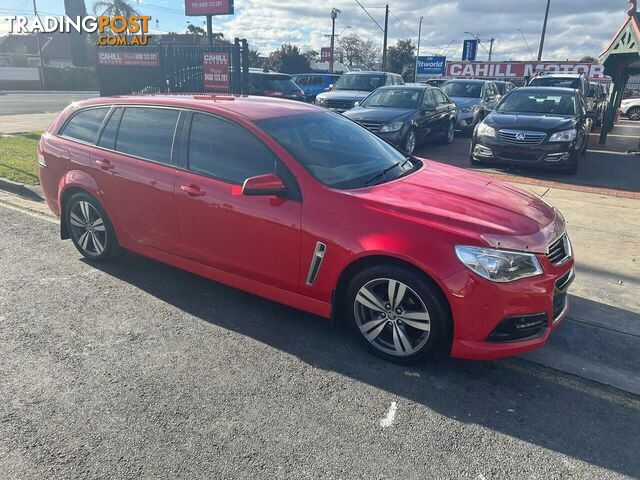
<point x="226" y="151"/>
<point x="301" y="81"/>
<point x="316" y="80"/>
<point x="108" y="137"/>
<point x="440" y="98"/>
<point x="429" y="101"/>
<point x="400" y="80"/>
<point x="85" y="124"/>
<point x="147" y="132"/>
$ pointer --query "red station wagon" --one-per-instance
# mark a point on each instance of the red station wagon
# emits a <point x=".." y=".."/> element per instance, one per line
<point x="305" y="207"/>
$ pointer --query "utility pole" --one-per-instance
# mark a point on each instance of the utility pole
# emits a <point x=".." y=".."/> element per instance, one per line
<point x="491" y="47"/>
<point x="209" y="30"/>
<point x="384" y="44"/>
<point x="415" y="75"/>
<point x="334" y="15"/>
<point x="35" y="12"/>
<point x="544" y="30"/>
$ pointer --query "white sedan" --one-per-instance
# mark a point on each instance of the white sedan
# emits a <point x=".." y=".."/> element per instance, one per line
<point x="630" y="107"/>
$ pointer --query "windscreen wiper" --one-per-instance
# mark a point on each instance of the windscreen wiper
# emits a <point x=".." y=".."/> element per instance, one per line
<point x="384" y="171"/>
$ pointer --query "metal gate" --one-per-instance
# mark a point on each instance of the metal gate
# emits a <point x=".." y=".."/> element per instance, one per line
<point x="164" y="68"/>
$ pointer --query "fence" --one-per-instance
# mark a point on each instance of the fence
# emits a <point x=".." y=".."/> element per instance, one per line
<point x="218" y="68"/>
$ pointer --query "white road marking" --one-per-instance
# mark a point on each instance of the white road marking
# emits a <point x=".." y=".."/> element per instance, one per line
<point x="608" y="152"/>
<point x="387" y="420"/>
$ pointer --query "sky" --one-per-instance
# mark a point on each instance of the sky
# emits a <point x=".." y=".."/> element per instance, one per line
<point x="576" y="27"/>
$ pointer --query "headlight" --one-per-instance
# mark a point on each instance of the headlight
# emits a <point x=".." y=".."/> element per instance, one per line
<point x="321" y="100"/>
<point x="564" y="136"/>
<point x="499" y="265"/>
<point x="486" y="130"/>
<point x="391" y="127"/>
<point x="472" y="108"/>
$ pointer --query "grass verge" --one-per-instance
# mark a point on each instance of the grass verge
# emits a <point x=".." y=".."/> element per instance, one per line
<point x="19" y="157"/>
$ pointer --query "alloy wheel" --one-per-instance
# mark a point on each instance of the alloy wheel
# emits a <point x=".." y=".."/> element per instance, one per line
<point x="88" y="228"/>
<point x="410" y="144"/>
<point x="634" y="114"/>
<point x="450" y="132"/>
<point x="392" y="317"/>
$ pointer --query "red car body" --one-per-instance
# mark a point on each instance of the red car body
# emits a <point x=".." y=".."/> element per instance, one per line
<point x="177" y="216"/>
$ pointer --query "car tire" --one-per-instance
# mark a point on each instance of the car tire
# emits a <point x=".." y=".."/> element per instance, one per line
<point x="90" y="228"/>
<point x="412" y="326"/>
<point x="633" y="113"/>
<point x="447" y="138"/>
<point x="409" y="142"/>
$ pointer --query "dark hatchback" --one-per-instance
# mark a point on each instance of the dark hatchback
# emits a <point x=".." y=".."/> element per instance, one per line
<point x="273" y="84"/>
<point x="541" y="126"/>
<point x="407" y="115"/>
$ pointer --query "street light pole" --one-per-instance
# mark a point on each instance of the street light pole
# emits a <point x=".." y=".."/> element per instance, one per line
<point x="544" y="30"/>
<point x="35" y="12"/>
<point x="384" y="44"/>
<point x="415" y="75"/>
<point x="491" y="47"/>
<point x="334" y="15"/>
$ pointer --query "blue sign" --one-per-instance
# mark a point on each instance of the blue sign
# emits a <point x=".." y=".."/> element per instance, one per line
<point x="431" y="65"/>
<point x="469" y="50"/>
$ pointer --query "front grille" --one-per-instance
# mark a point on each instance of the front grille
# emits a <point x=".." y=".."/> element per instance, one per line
<point x="371" y="126"/>
<point x="339" y="104"/>
<point x="521" y="137"/>
<point x="559" y="251"/>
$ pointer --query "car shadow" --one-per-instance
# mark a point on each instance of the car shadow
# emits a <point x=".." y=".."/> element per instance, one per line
<point x="585" y="421"/>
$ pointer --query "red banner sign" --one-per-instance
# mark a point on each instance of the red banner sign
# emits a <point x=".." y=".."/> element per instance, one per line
<point x="520" y="69"/>
<point x="325" y="54"/>
<point x="129" y="59"/>
<point x="208" y="7"/>
<point x="215" y="69"/>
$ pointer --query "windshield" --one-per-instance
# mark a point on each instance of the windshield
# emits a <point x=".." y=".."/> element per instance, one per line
<point x="366" y="83"/>
<point x="394" y="98"/>
<point x="335" y="150"/>
<point x="529" y="102"/>
<point x="281" y="84"/>
<point x="463" y="89"/>
<point x="555" y="82"/>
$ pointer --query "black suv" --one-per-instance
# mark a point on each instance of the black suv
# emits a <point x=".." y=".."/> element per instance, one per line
<point x="542" y="126"/>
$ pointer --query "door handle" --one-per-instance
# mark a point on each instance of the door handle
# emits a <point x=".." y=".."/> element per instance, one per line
<point x="104" y="164"/>
<point x="192" y="190"/>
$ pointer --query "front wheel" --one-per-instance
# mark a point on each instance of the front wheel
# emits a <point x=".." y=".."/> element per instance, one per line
<point x="409" y="142"/>
<point x="449" y="133"/>
<point x="634" y="113"/>
<point x="90" y="228"/>
<point x="397" y="313"/>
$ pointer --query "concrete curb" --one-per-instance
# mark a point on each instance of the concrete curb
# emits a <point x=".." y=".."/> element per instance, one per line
<point x="27" y="191"/>
<point x="596" y="353"/>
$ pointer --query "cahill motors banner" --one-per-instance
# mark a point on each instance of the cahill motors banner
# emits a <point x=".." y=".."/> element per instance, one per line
<point x="521" y="69"/>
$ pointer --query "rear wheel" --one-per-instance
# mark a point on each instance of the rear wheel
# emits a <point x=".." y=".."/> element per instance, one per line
<point x="634" y="113"/>
<point x="90" y="228"/>
<point x="397" y="314"/>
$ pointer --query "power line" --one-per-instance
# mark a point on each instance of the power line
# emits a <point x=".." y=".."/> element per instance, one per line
<point x="367" y="12"/>
<point x="527" y="44"/>
<point x="402" y="23"/>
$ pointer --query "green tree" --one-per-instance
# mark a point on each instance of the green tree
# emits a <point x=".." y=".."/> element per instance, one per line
<point x="352" y="49"/>
<point x="288" y="59"/>
<point x="254" y="58"/>
<point x="588" y="59"/>
<point x="401" y="59"/>
<point x="312" y="55"/>
<point x="114" y="7"/>
<point x="196" y="30"/>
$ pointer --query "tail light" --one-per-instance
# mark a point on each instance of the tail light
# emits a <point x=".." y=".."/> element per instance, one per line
<point x="41" y="160"/>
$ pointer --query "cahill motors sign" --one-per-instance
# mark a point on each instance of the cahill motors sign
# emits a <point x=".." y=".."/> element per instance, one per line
<point x="521" y="69"/>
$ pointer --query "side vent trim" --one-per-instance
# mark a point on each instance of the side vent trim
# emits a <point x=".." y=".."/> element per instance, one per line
<point x="316" y="262"/>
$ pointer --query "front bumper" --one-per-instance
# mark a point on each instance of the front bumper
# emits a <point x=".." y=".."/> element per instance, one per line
<point x="491" y="149"/>
<point x="467" y="120"/>
<point x="479" y="307"/>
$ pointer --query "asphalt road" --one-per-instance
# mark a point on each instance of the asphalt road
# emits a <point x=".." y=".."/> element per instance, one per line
<point x="16" y="103"/>
<point x="136" y="369"/>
